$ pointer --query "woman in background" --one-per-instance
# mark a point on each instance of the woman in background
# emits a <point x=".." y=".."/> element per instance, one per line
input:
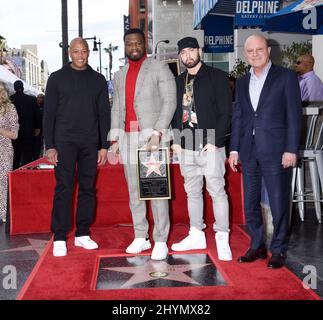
<point x="8" y="131"/>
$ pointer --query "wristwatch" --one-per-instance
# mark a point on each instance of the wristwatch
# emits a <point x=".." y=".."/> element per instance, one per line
<point x="157" y="133"/>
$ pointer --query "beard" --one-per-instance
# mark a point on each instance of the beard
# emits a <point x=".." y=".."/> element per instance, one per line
<point x="135" y="58"/>
<point x="192" y="63"/>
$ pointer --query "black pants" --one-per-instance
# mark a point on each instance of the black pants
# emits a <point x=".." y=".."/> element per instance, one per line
<point x="70" y="155"/>
<point x="23" y="153"/>
<point x="37" y="147"/>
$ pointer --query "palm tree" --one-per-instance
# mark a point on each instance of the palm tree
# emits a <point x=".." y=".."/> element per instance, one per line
<point x="109" y="50"/>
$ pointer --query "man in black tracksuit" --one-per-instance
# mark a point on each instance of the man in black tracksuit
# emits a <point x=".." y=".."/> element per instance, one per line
<point x="76" y="125"/>
<point x="200" y="123"/>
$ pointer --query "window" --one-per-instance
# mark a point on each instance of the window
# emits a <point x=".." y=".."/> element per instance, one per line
<point x="142" y="6"/>
<point x="217" y="60"/>
<point x="142" y="24"/>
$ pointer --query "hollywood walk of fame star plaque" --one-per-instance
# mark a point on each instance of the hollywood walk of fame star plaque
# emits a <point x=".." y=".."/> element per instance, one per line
<point x="153" y="174"/>
<point x="177" y="270"/>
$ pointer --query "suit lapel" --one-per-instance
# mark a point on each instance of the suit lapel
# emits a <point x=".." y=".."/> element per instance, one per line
<point x="246" y="89"/>
<point x="141" y="75"/>
<point x="265" y="89"/>
<point x="122" y="84"/>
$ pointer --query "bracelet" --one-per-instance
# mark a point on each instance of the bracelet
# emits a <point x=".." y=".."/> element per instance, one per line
<point x="157" y="133"/>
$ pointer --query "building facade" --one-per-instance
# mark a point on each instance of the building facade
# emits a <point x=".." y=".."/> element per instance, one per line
<point x="138" y="13"/>
<point x="173" y="19"/>
<point x="27" y="59"/>
<point x="44" y="75"/>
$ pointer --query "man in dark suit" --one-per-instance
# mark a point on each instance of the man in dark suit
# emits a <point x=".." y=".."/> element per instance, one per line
<point x="266" y="126"/>
<point x="29" y="125"/>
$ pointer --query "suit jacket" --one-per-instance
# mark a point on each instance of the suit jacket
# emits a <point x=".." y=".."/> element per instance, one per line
<point x="154" y="101"/>
<point x="276" y="121"/>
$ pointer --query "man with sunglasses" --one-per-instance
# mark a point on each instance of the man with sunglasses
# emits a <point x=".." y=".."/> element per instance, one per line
<point x="310" y="84"/>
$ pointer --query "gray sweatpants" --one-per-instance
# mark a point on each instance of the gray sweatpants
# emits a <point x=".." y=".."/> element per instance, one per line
<point x="194" y="167"/>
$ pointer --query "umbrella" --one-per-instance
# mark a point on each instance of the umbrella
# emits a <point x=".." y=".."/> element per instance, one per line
<point x="303" y="16"/>
<point x="9" y="79"/>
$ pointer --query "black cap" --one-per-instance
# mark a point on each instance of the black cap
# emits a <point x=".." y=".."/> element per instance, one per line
<point x="187" y="42"/>
<point x="18" y="85"/>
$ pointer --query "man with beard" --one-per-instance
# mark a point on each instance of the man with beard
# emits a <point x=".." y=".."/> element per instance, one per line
<point x="143" y="106"/>
<point x="202" y="117"/>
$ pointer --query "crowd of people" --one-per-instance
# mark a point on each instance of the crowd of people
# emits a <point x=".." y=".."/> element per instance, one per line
<point x="75" y="126"/>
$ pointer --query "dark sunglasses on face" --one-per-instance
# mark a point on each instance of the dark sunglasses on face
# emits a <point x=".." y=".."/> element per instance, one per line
<point x="298" y="62"/>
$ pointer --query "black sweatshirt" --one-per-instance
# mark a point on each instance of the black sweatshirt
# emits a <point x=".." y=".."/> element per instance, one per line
<point x="77" y="108"/>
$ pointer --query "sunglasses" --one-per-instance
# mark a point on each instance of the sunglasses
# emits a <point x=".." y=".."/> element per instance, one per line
<point x="298" y="62"/>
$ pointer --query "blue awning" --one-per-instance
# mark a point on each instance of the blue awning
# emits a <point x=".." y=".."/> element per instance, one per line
<point x="201" y="9"/>
<point x="294" y="18"/>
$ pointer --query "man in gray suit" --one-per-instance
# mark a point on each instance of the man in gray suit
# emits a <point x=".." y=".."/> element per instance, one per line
<point x="143" y="107"/>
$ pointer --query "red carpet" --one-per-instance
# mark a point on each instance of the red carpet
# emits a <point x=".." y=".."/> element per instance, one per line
<point x="73" y="276"/>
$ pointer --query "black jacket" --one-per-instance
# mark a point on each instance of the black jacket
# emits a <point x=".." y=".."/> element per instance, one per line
<point x="77" y="107"/>
<point x="213" y="103"/>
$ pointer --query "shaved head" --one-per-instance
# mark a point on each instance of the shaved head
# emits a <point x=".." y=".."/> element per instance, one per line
<point x="308" y="59"/>
<point x="79" y="53"/>
<point x="79" y="40"/>
<point x="304" y="64"/>
<point x="256" y="38"/>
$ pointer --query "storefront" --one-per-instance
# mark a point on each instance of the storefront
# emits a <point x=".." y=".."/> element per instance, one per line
<point x="246" y="17"/>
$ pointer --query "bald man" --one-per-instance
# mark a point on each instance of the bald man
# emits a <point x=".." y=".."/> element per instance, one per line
<point x="266" y="125"/>
<point x="76" y="125"/>
<point x="310" y="84"/>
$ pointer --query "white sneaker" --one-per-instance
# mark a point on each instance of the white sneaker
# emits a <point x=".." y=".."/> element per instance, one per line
<point x="138" y="245"/>
<point x="85" y="242"/>
<point x="222" y="245"/>
<point x="195" y="240"/>
<point x="160" y="251"/>
<point x="59" y="249"/>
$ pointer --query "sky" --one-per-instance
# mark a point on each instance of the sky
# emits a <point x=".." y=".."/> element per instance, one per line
<point x="39" y="22"/>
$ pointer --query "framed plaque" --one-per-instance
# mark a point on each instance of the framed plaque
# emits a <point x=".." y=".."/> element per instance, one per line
<point x="153" y="174"/>
<point x="173" y="65"/>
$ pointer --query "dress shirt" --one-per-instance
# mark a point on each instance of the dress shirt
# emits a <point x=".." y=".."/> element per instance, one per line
<point x="131" y="123"/>
<point x="256" y="84"/>
<point x="255" y="87"/>
<point x="311" y="87"/>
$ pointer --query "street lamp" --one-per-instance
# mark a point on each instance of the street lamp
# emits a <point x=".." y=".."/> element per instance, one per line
<point x="95" y="49"/>
<point x="161" y="41"/>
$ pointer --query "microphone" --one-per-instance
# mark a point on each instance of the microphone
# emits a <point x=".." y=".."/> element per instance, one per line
<point x="160" y="41"/>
